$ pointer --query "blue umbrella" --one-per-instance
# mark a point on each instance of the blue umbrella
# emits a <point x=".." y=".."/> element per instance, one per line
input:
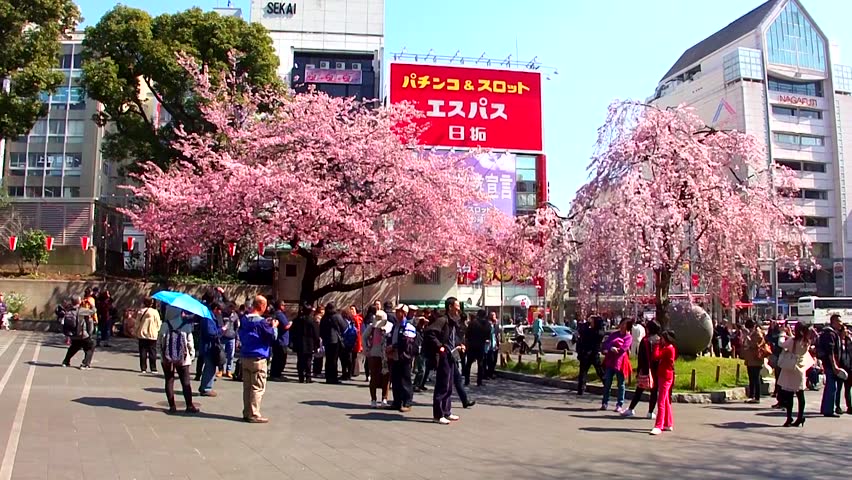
<point x="184" y="302"/>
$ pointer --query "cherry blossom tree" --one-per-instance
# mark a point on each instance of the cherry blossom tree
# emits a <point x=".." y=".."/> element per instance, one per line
<point x="667" y="191"/>
<point x="343" y="183"/>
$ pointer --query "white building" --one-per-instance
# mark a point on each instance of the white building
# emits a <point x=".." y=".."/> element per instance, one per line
<point x="770" y="73"/>
<point x="336" y="45"/>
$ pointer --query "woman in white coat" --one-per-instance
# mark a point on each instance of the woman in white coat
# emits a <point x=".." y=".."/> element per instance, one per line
<point x="794" y="361"/>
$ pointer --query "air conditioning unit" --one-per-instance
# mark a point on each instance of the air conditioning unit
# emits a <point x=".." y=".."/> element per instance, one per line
<point x="340" y="65"/>
<point x="356" y="66"/>
<point x="325" y="65"/>
<point x="310" y="65"/>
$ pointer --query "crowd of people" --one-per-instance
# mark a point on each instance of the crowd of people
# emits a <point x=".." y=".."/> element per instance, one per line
<point x="395" y="347"/>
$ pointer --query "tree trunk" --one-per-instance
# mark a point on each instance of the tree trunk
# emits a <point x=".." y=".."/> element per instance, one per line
<point x="662" y="284"/>
<point x="307" y="293"/>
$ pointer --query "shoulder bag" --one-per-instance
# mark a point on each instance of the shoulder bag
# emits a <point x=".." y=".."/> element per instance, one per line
<point x="644" y="380"/>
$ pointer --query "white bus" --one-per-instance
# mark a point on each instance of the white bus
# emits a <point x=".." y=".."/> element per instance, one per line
<point x="817" y="310"/>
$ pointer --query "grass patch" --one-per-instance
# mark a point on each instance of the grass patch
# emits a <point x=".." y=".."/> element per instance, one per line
<point x="705" y="372"/>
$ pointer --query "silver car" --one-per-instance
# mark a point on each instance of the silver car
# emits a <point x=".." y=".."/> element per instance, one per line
<point x="555" y="339"/>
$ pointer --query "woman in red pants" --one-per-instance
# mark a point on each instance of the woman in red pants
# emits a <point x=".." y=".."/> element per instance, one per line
<point x="664" y="353"/>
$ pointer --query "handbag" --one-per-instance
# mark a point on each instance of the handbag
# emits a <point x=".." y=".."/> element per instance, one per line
<point x="787" y="360"/>
<point x="218" y="354"/>
<point x="644" y="380"/>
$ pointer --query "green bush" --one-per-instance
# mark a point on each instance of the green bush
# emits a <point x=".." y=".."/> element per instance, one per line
<point x="15" y="302"/>
<point x="33" y="249"/>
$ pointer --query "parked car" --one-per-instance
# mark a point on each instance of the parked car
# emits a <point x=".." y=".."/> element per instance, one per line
<point x="555" y="339"/>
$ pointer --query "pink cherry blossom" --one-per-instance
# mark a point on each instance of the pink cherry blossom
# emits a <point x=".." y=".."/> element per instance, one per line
<point x="344" y="183"/>
<point x="666" y="190"/>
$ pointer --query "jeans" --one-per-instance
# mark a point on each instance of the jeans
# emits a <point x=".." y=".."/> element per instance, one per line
<point x="147" y="354"/>
<point x="536" y="341"/>
<point x="458" y="383"/>
<point x="419" y="370"/>
<point x="754" y="382"/>
<point x="829" y="392"/>
<point x="491" y="364"/>
<point x="345" y="363"/>
<point x="442" y="398"/>
<point x="230" y="345"/>
<point x="607" y="383"/>
<point x="105" y="328"/>
<point x="169" y="370"/>
<point x="403" y="394"/>
<point x="88" y="347"/>
<point x="208" y="373"/>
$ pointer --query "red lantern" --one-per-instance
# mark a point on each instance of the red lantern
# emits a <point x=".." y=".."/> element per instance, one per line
<point x="13" y="243"/>
<point x="260" y="248"/>
<point x="163" y="248"/>
<point x="48" y="242"/>
<point x="640" y="281"/>
<point x="84" y="242"/>
<point x="539" y="285"/>
<point x="130" y="242"/>
<point x="232" y="249"/>
<point x="695" y="280"/>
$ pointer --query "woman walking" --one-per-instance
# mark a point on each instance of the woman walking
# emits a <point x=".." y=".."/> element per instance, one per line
<point x="794" y="361"/>
<point x="665" y="355"/>
<point x="616" y="349"/>
<point x="753" y="352"/>
<point x="177" y="351"/>
<point x="147" y="331"/>
<point x="647" y="368"/>
<point x="375" y="346"/>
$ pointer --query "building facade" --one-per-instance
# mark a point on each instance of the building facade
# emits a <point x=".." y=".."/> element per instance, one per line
<point x="772" y="74"/>
<point x="53" y="174"/>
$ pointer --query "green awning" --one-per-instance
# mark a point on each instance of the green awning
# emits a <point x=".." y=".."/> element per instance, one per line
<point x="437" y="304"/>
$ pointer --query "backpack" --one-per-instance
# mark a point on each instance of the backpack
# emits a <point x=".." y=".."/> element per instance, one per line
<point x="76" y="322"/>
<point x="174" y="349"/>
<point x="69" y="322"/>
<point x="350" y="335"/>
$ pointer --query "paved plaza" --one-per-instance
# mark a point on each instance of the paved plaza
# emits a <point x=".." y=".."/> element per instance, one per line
<point x="109" y="423"/>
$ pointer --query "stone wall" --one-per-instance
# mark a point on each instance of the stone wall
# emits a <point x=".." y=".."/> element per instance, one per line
<point x="42" y="296"/>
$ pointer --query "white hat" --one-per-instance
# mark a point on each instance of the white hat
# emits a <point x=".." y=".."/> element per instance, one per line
<point x="402" y="307"/>
<point x="413" y="308"/>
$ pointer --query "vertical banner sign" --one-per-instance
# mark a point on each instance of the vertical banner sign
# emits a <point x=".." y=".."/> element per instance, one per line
<point x="472" y="107"/>
<point x="130" y="242"/>
<point x="695" y="280"/>
<point x="839" y="280"/>
<point x="84" y="243"/>
<point x="232" y="249"/>
<point x="640" y="281"/>
<point x="13" y="243"/>
<point x="260" y="248"/>
<point x="498" y="182"/>
<point x="163" y="248"/>
<point x="48" y="243"/>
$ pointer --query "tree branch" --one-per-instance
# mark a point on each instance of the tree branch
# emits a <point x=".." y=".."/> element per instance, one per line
<point x="350" y="287"/>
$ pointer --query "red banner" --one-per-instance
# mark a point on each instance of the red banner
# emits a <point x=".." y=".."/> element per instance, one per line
<point x="48" y="243"/>
<point x="472" y="107"/>
<point x="13" y="243"/>
<point x="130" y="242"/>
<point x="232" y="249"/>
<point x="84" y="242"/>
<point x="346" y="77"/>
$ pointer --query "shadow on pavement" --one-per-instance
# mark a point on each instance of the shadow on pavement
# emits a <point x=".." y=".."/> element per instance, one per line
<point x="43" y="364"/>
<point x="114" y="402"/>
<point x="742" y="425"/>
<point x="613" y="430"/>
<point x="380" y="416"/>
<point x="338" y="405"/>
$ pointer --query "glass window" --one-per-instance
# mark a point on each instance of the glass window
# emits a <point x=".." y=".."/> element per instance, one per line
<point x="17" y="160"/>
<point x="795" y="139"/>
<point x="792" y="40"/>
<point x="809" y="141"/>
<point x="525" y="202"/>
<point x="75" y="128"/>
<point x="73" y="160"/>
<point x="787" y="138"/>
<point x="813" y="89"/>
<point x="787" y="111"/>
<point x="813" y="167"/>
<point x="71" y="192"/>
<point x="39" y="128"/>
<point x="821" y="249"/>
<point x="791" y="164"/>
<point x="56" y="127"/>
<point x="526" y="162"/>
<point x="815" y="221"/>
<point x="16" y="191"/>
<point x="35" y="160"/>
<point x="805" y="113"/>
<point x="52" y="192"/>
<point x="33" y="192"/>
<point x="811" y="194"/>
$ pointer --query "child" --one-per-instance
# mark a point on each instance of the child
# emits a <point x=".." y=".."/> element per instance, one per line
<point x="665" y="354"/>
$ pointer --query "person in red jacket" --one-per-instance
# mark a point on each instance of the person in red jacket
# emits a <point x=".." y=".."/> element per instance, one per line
<point x="665" y="354"/>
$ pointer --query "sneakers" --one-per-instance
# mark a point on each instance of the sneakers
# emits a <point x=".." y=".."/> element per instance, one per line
<point x="374" y="404"/>
<point x="628" y="413"/>
<point x="442" y="421"/>
<point x="385" y="403"/>
<point x="651" y="416"/>
<point x="668" y="429"/>
<point x="405" y="409"/>
<point x="655" y="431"/>
<point x="453" y="418"/>
<point x="619" y="409"/>
<point x="604" y="407"/>
<point x="85" y="367"/>
<point x="209" y="393"/>
<point x="65" y="365"/>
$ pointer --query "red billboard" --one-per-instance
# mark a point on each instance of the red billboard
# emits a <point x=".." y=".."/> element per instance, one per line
<point x="472" y="107"/>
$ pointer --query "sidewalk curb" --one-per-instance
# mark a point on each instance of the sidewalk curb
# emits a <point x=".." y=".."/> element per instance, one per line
<point x="721" y="396"/>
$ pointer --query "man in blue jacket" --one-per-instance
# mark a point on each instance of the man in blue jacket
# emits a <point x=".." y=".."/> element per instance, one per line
<point x="257" y="334"/>
<point x="210" y="332"/>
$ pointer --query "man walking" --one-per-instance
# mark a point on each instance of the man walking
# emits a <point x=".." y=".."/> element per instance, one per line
<point x="332" y="327"/>
<point x="538" y="330"/>
<point x="588" y="350"/>
<point x="401" y="348"/>
<point x="279" y="348"/>
<point x="478" y="336"/>
<point x="210" y="333"/>
<point x="493" y="348"/>
<point x="440" y="345"/>
<point x="79" y="325"/>
<point x="257" y="335"/>
<point x="829" y="352"/>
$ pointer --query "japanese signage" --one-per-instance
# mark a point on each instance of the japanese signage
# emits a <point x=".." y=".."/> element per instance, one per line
<point x="839" y="280"/>
<point x="323" y="75"/>
<point x="799" y="101"/>
<point x="280" y="8"/>
<point x="472" y="107"/>
<point x="497" y="170"/>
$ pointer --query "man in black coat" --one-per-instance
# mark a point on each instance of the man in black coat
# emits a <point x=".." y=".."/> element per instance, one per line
<point x="305" y="339"/>
<point x="332" y="325"/>
<point x="591" y="335"/>
<point x="440" y="348"/>
<point x="478" y="334"/>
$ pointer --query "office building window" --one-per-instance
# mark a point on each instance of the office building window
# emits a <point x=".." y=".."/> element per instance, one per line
<point x="52" y="192"/>
<point x="811" y="194"/>
<point x="525" y="184"/>
<point x="815" y="221"/>
<point x="843" y="78"/>
<point x="71" y="192"/>
<point x="813" y="167"/>
<point x="16" y="191"/>
<point x="813" y="89"/>
<point x="798" y="139"/>
<point x="432" y="278"/>
<point x="33" y="192"/>
<point x="69" y="61"/>
<point x="35" y="160"/>
<point x="17" y="160"/>
<point x="796" y="112"/>
<point x="743" y="63"/>
<point x="792" y="40"/>
<point x="75" y="130"/>
<point x="816" y="167"/>
<point x="821" y="249"/>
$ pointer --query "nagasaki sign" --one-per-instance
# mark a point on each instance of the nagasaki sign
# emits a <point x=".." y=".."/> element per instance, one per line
<point x="472" y="107"/>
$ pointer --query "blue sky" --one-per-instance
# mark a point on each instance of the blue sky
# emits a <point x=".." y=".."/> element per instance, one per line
<point x="603" y="50"/>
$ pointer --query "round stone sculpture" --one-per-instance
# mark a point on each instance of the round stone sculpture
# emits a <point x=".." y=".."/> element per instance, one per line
<point x="692" y="326"/>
